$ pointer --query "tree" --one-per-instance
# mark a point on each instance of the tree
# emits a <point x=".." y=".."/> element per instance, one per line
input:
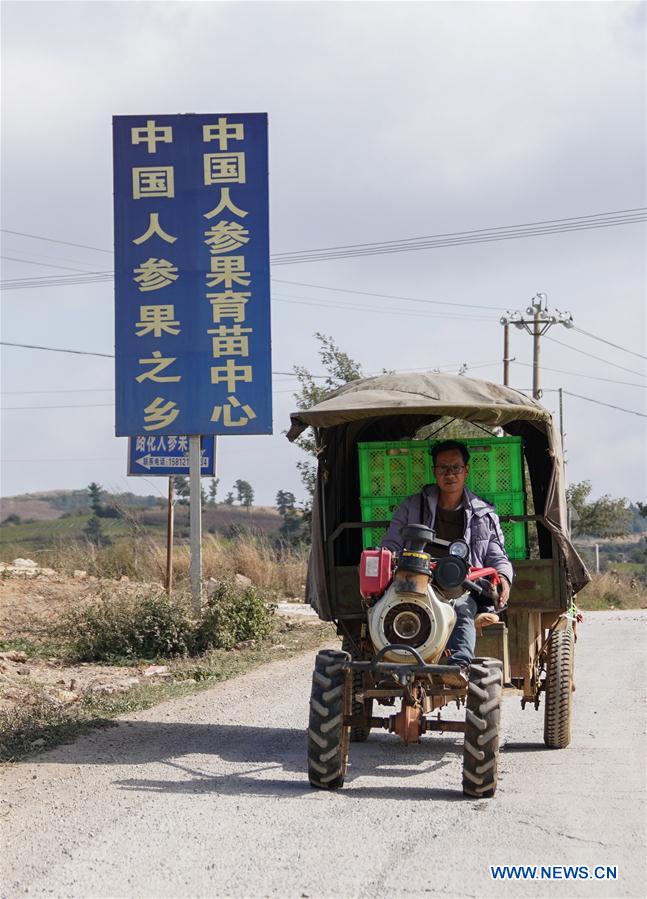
<point x="285" y="502"/>
<point x="181" y="488"/>
<point x="340" y="369"/>
<point x="229" y="499"/>
<point x="244" y="493"/>
<point x="604" y="517"/>
<point x="94" y="533"/>
<point x="96" y="492"/>
<point x="213" y="490"/>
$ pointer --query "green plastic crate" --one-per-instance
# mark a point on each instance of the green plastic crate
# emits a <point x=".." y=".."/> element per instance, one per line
<point x="400" y="468"/>
<point x="380" y="508"/>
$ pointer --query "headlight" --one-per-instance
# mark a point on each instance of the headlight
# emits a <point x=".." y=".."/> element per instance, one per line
<point x="459" y="548"/>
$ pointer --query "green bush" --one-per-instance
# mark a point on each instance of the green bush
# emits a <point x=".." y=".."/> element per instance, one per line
<point x="232" y="615"/>
<point x="145" y="624"/>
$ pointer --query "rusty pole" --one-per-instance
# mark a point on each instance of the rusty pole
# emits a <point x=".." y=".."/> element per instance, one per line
<point x="169" y="538"/>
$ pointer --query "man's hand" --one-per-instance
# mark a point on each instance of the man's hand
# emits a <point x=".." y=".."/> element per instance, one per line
<point x="504" y="588"/>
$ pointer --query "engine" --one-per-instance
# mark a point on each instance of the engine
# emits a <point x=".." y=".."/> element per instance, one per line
<point x="411" y="611"/>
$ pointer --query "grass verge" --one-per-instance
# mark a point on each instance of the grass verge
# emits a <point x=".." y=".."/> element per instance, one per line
<point x="37" y="723"/>
<point x="612" y="591"/>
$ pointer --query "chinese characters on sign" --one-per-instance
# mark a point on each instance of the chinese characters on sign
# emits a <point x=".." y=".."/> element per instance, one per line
<point x="162" y="455"/>
<point x="192" y="275"/>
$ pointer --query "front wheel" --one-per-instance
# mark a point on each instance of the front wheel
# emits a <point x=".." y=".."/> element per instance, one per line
<point x="482" y="716"/>
<point x="559" y="689"/>
<point x="328" y="736"/>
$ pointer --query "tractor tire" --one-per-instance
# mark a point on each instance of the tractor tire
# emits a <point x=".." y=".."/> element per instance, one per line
<point x="482" y="715"/>
<point x="328" y="736"/>
<point x="358" y="734"/>
<point x="559" y="689"/>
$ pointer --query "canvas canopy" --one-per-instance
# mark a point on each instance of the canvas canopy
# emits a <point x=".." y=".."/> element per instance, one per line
<point x="396" y="407"/>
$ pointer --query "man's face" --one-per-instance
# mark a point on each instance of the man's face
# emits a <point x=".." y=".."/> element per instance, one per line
<point x="450" y="470"/>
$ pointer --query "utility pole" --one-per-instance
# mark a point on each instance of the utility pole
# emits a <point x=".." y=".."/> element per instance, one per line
<point x="538" y="321"/>
<point x="506" y="352"/>
<point x="170" y="514"/>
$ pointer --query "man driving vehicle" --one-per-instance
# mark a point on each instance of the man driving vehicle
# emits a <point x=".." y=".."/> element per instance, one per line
<point x="454" y="512"/>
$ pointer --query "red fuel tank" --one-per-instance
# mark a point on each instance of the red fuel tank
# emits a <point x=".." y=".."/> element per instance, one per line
<point x="374" y="572"/>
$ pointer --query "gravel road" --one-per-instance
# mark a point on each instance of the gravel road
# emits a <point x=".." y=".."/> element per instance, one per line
<point x="207" y="797"/>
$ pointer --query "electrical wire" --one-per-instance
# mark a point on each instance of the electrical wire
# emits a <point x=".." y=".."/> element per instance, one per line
<point x="608" y="405"/>
<point x="608" y="342"/>
<point x="52" y="349"/>
<point x="66" y="243"/>
<point x="441" y="241"/>
<point x="639" y="210"/>
<point x="577" y="374"/>
<point x="45" y="264"/>
<point x="399" y="312"/>
<point x="452" y="238"/>
<point x="388" y="296"/>
<point x="591" y="356"/>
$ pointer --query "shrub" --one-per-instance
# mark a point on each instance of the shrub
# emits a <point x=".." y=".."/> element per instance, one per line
<point x="232" y="615"/>
<point x="142" y="624"/>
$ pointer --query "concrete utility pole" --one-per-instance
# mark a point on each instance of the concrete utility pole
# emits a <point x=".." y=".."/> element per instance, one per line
<point x="538" y="322"/>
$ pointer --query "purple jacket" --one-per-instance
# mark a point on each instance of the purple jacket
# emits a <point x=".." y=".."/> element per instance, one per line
<point x="482" y="528"/>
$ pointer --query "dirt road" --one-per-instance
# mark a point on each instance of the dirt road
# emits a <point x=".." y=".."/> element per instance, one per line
<point x="207" y="796"/>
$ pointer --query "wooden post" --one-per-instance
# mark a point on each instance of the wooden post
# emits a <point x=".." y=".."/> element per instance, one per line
<point x="196" y="522"/>
<point x="170" y="516"/>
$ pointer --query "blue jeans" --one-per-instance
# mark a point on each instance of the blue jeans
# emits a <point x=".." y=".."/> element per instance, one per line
<point x="463" y="638"/>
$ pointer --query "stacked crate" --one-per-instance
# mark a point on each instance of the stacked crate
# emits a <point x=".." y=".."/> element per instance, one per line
<point x="391" y="471"/>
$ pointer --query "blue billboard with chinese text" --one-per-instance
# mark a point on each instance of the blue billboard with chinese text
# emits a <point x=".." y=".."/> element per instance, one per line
<point x="162" y="455"/>
<point x="192" y="288"/>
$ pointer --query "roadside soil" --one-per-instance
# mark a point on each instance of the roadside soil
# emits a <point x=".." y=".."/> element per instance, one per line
<point x="34" y="661"/>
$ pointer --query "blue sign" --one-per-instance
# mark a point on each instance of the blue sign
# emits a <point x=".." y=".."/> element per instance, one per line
<point x="192" y="286"/>
<point x="168" y="456"/>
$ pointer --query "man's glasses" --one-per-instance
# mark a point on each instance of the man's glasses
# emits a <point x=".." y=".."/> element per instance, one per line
<point x="448" y="469"/>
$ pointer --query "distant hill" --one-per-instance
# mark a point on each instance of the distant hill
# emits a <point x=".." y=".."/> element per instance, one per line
<point x="51" y="504"/>
<point x="36" y="520"/>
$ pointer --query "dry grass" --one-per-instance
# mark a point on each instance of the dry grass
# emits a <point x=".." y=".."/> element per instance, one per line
<point x="272" y="566"/>
<point x="613" y="591"/>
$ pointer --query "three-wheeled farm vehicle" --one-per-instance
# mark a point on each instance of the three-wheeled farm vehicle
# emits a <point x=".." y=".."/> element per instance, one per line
<point x="395" y="613"/>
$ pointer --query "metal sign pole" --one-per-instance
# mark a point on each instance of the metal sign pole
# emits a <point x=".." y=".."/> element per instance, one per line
<point x="169" y="538"/>
<point x="196" y="523"/>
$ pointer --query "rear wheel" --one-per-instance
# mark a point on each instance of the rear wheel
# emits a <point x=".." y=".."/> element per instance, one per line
<point x="482" y="715"/>
<point x="363" y="708"/>
<point x="328" y="736"/>
<point x="559" y="689"/>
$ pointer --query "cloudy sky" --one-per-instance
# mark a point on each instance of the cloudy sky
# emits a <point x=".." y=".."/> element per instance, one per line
<point x="387" y="121"/>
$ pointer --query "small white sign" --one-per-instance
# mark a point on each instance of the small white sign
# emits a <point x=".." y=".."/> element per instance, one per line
<point x="372" y="566"/>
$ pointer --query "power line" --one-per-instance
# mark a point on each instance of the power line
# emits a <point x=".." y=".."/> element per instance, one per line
<point x="66" y="243"/>
<point x="449" y="234"/>
<point x="577" y="374"/>
<point x="45" y="264"/>
<point x="608" y="405"/>
<point x="80" y="406"/>
<point x="454" y="238"/>
<point x="52" y="349"/>
<point x="387" y="296"/>
<point x="597" y="358"/>
<point x="609" y="343"/>
<point x="638" y="210"/>
<point x="462" y="238"/>
<point x="70" y="390"/>
<point x="371" y="309"/>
